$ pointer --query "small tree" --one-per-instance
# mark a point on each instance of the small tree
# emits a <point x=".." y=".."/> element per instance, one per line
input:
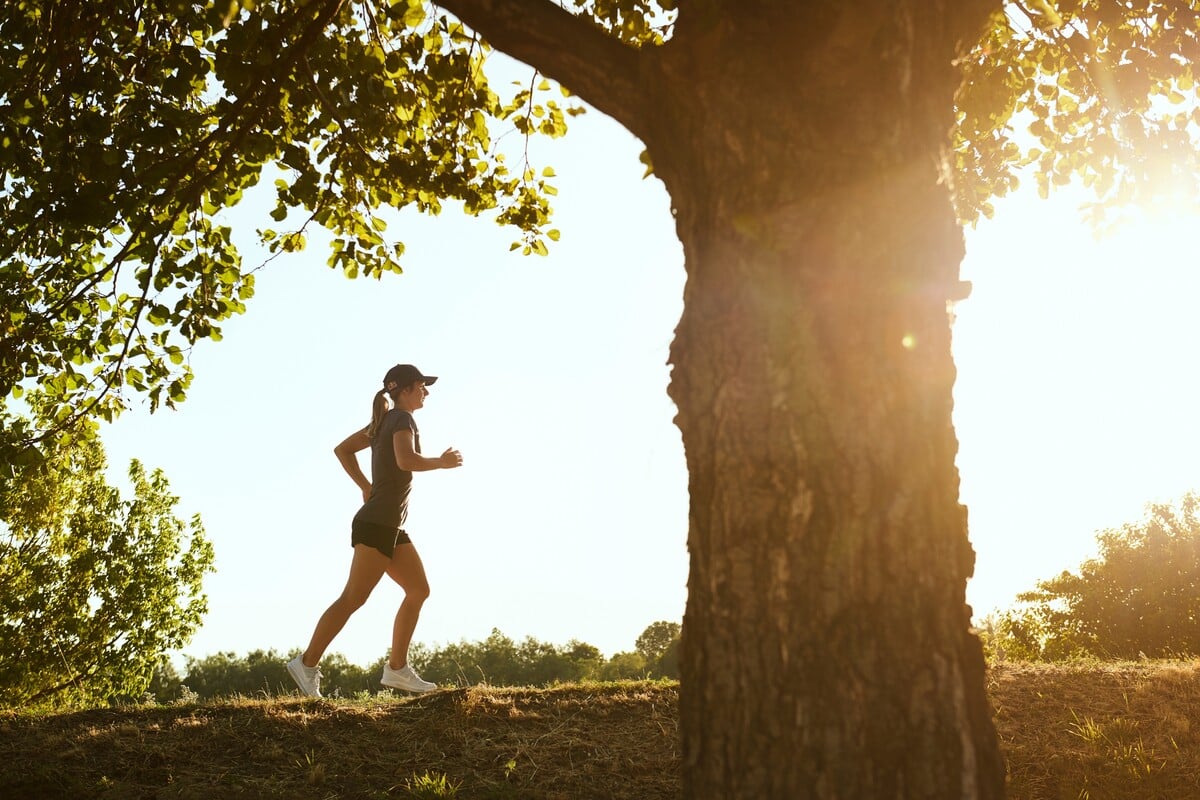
<point x="96" y="587"/>
<point x="1139" y="596"/>
<point x="655" y="640"/>
<point x="659" y="646"/>
<point x="667" y="665"/>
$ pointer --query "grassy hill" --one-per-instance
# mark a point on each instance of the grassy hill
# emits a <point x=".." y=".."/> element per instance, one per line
<point x="1119" y="731"/>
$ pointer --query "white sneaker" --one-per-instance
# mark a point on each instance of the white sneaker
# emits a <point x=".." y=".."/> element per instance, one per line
<point x="405" y="678"/>
<point x="307" y="678"/>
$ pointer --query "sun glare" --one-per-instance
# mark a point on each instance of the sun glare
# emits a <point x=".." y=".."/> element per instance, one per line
<point x="1076" y="399"/>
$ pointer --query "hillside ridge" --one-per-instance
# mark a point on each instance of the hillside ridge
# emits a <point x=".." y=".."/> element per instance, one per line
<point x="1097" y="730"/>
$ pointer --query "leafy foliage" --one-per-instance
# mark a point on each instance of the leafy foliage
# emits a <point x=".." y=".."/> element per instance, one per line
<point x="96" y="587"/>
<point x="496" y="660"/>
<point x="128" y="129"/>
<point x="1101" y="90"/>
<point x="1140" y="597"/>
<point x="499" y="661"/>
<point x="165" y="682"/>
<point x="657" y="639"/>
<point x="638" y="23"/>
<point x="264" y="672"/>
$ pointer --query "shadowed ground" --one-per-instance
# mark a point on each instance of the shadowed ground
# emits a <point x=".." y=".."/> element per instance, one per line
<point x="1087" y="730"/>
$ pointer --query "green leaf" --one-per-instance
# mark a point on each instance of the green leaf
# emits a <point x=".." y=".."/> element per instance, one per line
<point x="415" y="14"/>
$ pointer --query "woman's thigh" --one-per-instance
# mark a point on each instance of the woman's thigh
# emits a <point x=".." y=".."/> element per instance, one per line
<point x="408" y="571"/>
<point x="366" y="569"/>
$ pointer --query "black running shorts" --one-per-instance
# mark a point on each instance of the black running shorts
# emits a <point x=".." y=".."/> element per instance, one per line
<point x="381" y="537"/>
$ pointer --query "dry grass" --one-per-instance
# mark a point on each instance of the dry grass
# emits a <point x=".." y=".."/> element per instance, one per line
<point x="1123" y="731"/>
<point x="1088" y="731"/>
<point x="602" y="741"/>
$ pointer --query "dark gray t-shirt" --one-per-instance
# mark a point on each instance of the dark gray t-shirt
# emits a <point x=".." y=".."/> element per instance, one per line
<point x="390" y="485"/>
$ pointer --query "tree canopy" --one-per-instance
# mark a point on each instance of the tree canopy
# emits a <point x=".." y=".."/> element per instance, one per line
<point x="129" y="129"/>
<point x="96" y="587"/>
<point x="1098" y="91"/>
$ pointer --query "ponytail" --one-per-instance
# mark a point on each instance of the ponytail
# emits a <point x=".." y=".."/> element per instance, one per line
<point x="379" y="407"/>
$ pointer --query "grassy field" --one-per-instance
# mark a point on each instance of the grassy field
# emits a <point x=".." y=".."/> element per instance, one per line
<point x="1098" y="731"/>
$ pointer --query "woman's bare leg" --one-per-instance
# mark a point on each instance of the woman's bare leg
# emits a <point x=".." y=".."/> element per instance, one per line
<point x="366" y="569"/>
<point x="407" y="570"/>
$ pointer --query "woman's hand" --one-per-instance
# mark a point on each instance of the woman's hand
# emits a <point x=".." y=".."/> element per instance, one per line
<point x="451" y="458"/>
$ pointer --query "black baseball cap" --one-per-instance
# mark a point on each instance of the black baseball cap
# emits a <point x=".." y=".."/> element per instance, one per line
<point x="406" y="375"/>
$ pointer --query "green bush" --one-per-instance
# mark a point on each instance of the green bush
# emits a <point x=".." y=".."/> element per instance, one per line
<point x="1139" y="598"/>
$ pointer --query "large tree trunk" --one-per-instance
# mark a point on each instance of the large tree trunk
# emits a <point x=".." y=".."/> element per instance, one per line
<point x="826" y="651"/>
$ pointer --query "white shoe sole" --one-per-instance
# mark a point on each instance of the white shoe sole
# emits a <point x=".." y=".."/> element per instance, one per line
<point x="421" y="690"/>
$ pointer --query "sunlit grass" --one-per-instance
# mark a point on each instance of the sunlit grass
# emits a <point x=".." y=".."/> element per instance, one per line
<point x="1082" y="730"/>
<point x="1099" y="729"/>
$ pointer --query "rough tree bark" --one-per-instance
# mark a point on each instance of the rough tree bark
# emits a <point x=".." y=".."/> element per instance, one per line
<point x="826" y="651"/>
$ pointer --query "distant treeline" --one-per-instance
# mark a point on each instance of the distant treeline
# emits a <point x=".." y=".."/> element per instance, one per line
<point x="496" y="660"/>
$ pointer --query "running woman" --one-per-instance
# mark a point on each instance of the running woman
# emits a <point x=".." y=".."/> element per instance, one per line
<point x="377" y="532"/>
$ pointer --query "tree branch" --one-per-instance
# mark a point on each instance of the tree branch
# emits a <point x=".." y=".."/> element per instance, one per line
<point x="606" y="73"/>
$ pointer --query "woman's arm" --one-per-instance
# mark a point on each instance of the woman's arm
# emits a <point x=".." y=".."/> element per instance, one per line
<point x="347" y="455"/>
<point x="410" y="460"/>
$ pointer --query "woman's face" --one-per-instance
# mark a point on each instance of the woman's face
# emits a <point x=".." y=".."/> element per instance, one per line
<point x="412" y="397"/>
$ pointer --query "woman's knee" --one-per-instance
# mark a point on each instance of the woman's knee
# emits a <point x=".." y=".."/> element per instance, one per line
<point x="417" y="591"/>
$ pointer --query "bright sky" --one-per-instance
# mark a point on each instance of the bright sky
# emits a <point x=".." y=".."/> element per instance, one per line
<point x="1074" y="407"/>
<point x="1075" y="403"/>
